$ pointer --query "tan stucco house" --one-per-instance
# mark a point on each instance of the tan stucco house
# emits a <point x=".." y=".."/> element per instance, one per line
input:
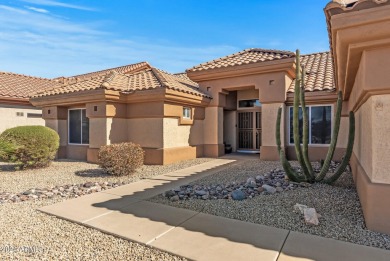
<point x="234" y="100"/>
<point x="15" y="107"/>
<point x="162" y="112"/>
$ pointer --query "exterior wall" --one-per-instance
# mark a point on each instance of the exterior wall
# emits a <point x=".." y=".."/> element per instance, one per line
<point x="9" y="119"/>
<point x="372" y="147"/>
<point x="146" y="132"/>
<point x="361" y="50"/>
<point x="175" y="135"/>
<point x="213" y="132"/>
<point x="269" y="149"/>
<point x="230" y="129"/>
<point x="247" y="95"/>
<point x="370" y="161"/>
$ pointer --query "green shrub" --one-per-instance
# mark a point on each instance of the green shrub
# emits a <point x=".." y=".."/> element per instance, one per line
<point x="32" y="146"/>
<point x="6" y="149"/>
<point x="121" y="159"/>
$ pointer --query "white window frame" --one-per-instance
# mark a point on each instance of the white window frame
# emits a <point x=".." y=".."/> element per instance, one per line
<point x="185" y="110"/>
<point x="77" y="144"/>
<point x="309" y="116"/>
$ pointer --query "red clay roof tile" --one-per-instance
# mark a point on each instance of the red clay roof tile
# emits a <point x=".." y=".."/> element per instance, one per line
<point x="247" y="56"/>
<point x="13" y="85"/>
<point x="319" y="72"/>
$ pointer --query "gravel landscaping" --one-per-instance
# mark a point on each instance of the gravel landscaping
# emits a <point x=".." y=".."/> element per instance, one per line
<point x="29" y="234"/>
<point x="71" y="173"/>
<point x="340" y="212"/>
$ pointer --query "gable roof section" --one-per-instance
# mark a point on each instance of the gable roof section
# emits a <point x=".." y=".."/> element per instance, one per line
<point x="146" y="79"/>
<point x="319" y="72"/>
<point x="130" y="68"/>
<point x="247" y="56"/>
<point x="19" y="86"/>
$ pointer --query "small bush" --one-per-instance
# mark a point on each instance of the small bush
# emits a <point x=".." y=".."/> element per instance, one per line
<point x="122" y="158"/>
<point x="30" y="146"/>
<point x="6" y="149"/>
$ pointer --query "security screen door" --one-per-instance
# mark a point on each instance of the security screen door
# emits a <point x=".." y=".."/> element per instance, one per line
<point x="249" y="130"/>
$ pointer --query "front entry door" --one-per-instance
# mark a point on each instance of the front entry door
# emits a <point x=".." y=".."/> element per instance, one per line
<point x="249" y="130"/>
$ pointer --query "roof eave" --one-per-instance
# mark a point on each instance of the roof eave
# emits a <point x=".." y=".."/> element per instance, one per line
<point x="79" y="97"/>
<point x="14" y="100"/>
<point x="244" y="69"/>
<point x="341" y="18"/>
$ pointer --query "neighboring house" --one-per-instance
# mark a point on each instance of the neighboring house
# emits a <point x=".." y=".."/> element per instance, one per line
<point x="162" y="112"/>
<point x="234" y="100"/>
<point x="15" y="108"/>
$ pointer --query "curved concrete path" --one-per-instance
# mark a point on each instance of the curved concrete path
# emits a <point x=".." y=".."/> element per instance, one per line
<point x="123" y="212"/>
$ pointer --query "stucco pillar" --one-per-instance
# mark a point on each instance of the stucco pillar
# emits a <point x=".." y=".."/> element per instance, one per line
<point x="272" y="95"/>
<point x="107" y="125"/>
<point x="268" y="149"/>
<point x="56" y="118"/>
<point x="213" y="132"/>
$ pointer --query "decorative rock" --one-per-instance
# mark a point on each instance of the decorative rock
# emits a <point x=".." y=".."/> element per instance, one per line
<point x="279" y="189"/>
<point x="260" y="189"/>
<point x="238" y="195"/>
<point x="174" y="198"/>
<point x="170" y="193"/>
<point x="269" y="189"/>
<point x="200" y="192"/>
<point x="300" y="207"/>
<point x="89" y="184"/>
<point x="33" y="196"/>
<point x="310" y="216"/>
<point x="204" y="197"/>
<point x="251" y="182"/>
<point x="259" y="178"/>
<point x="28" y="192"/>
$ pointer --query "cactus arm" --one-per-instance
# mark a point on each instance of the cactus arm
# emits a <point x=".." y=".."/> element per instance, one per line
<point x="297" y="141"/>
<point x="351" y="138"/>
<point x="332" y="146"/>
<point x="305" y="138"/>
<point x="291" y="174"/>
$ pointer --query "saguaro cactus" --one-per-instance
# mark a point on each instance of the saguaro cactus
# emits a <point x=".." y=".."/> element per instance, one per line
<point x="301" y="150"/>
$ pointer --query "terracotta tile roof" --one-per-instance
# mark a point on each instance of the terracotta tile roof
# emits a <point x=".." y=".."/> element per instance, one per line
<point x="319" y="72"/>
<point x="21" y="86"/>
<point x="121" y="69"/>
<point x="147" y="78"/>
<point x="248" y="56"/>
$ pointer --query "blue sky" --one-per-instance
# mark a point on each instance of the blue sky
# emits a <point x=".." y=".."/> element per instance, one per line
<point x="51" y="38"/>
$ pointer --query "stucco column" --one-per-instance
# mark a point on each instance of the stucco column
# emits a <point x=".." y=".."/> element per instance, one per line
<point x="56" y="118"/>
<point x="272" y="96"/>
<point x="268" y="149"/>
<point x="213" y="132"/>
<point x="107" y="125"/>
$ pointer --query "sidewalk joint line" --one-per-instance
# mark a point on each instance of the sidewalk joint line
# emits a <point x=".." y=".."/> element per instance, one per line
<point x="101" y="215"/>
<point x="169" y="230"/>
<point x="284" y="242"/>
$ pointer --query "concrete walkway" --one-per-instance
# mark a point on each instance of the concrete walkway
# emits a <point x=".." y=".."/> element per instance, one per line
<point x="123" y="212"/>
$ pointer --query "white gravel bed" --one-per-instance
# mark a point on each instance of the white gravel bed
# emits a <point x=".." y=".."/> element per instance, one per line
<point x="27" y="234"/>
<point x="72" y="172"/>
<point x="338" y="205"/>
